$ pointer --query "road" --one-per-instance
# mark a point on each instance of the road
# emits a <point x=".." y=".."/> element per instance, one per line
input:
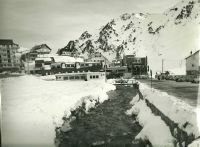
<point x="186" y="91"/>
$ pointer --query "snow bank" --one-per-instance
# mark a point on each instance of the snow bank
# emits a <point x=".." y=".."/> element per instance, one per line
<point x="154" y="129"/>
<point x="32" y="107"/>
<point x="174" y="108"/>
<point x="91" y="100"/>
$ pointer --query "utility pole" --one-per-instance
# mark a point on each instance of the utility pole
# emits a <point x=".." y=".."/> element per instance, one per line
<point x="151" y="78"/>
<point x="162" y="65"/>
<point x="105" y="69"/>
<point x="28" y="62"/>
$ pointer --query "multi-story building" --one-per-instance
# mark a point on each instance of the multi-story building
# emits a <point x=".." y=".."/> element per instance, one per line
<point x="136" y="65"/>
<point x="99" y="58"/>
<point x="8" y="58"/>
<point x="193" y="63"/>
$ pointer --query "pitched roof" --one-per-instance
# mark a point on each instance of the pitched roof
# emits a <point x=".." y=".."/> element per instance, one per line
<point x="36" y="47"/>
<point x="6" y="42"/>
<point x="192" y="54"/>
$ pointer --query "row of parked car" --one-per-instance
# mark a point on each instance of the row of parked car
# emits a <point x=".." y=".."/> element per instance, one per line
<point x="179" y="78"/>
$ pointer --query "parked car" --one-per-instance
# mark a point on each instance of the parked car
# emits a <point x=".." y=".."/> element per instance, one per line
<point x="169" y="77"/>
<point x="162" y="76"/>
<point x="144" y="76"/>
<point x="195" y="80"/>
<point x="189" y="78"/>
<point x="181" y="79"/>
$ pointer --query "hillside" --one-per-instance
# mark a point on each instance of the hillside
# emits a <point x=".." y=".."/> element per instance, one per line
<point x="170" y="36"/>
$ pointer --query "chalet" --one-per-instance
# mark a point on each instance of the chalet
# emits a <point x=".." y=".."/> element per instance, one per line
<point x="136" y="65"/>
<point x="193" y="63"/>
<point x="36" y="51"/>
<point x="99" y="58"/>
<point x="8" y="58"/>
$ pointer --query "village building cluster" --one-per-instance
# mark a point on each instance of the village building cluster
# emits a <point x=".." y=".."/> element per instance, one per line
<point x="40" y="60"/>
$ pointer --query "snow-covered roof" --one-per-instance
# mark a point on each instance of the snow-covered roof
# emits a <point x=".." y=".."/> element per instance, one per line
<point x="66" y="59"/>
<point x="192" y="54"/>
<point x="36" y="47"/>
<point x="43" y="58"/>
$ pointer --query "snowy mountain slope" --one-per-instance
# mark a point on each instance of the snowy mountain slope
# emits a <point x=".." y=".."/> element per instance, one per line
<point x="170" y="36"/>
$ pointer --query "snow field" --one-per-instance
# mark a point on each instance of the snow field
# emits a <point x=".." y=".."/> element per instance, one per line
<point x="33" y="107"/>
<point x="154" y="129"/>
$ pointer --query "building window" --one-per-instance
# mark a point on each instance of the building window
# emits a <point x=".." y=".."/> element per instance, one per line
<point x="71" y="77"/>
<point x="90" y="77"/>
<point x="66" y="78"/>
<point x="76" y="77"/>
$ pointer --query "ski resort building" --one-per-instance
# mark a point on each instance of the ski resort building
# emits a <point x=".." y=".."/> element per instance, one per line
<point x="136" y="65"/>
<point x="80" y="76"/>
<point x="193" y="63"/>
<point x="37" y="51"/>
<point x="99" y="58"/>
<point x="9" y="60"/>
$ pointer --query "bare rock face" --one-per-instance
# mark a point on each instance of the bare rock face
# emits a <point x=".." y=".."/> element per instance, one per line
<point x="140" y="33"/>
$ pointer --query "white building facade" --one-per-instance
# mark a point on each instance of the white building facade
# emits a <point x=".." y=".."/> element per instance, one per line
<point x="193" y="64"/>
<point x="8" y="58"/>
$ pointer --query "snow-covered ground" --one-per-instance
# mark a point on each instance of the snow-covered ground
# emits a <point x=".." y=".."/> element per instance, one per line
<point x="174" y="108"/>
<point x="177" y="110"/>
<point x="32" y="107"/>
<point x="150" y="123"/>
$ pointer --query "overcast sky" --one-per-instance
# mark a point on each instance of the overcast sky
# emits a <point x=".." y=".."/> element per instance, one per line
<point x="55" y="22"/>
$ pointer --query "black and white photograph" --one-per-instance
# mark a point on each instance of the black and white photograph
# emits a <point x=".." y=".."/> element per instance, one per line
<point x="100" y="73"/>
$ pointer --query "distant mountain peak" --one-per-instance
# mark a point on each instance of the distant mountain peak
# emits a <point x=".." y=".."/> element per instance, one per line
<point x="142" y="33"/>
<point x="85" y="35"/>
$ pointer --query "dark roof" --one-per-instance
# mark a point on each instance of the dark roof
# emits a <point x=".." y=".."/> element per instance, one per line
<point x="36" y="47"/>
<point x="192" y="54"/>
<point x="130" y="55"/>
<point x="133" y="56"/>
<point x="6" y="42"/>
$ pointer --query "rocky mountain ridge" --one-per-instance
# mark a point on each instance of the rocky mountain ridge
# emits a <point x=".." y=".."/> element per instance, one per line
<point x="145" y="34"/>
